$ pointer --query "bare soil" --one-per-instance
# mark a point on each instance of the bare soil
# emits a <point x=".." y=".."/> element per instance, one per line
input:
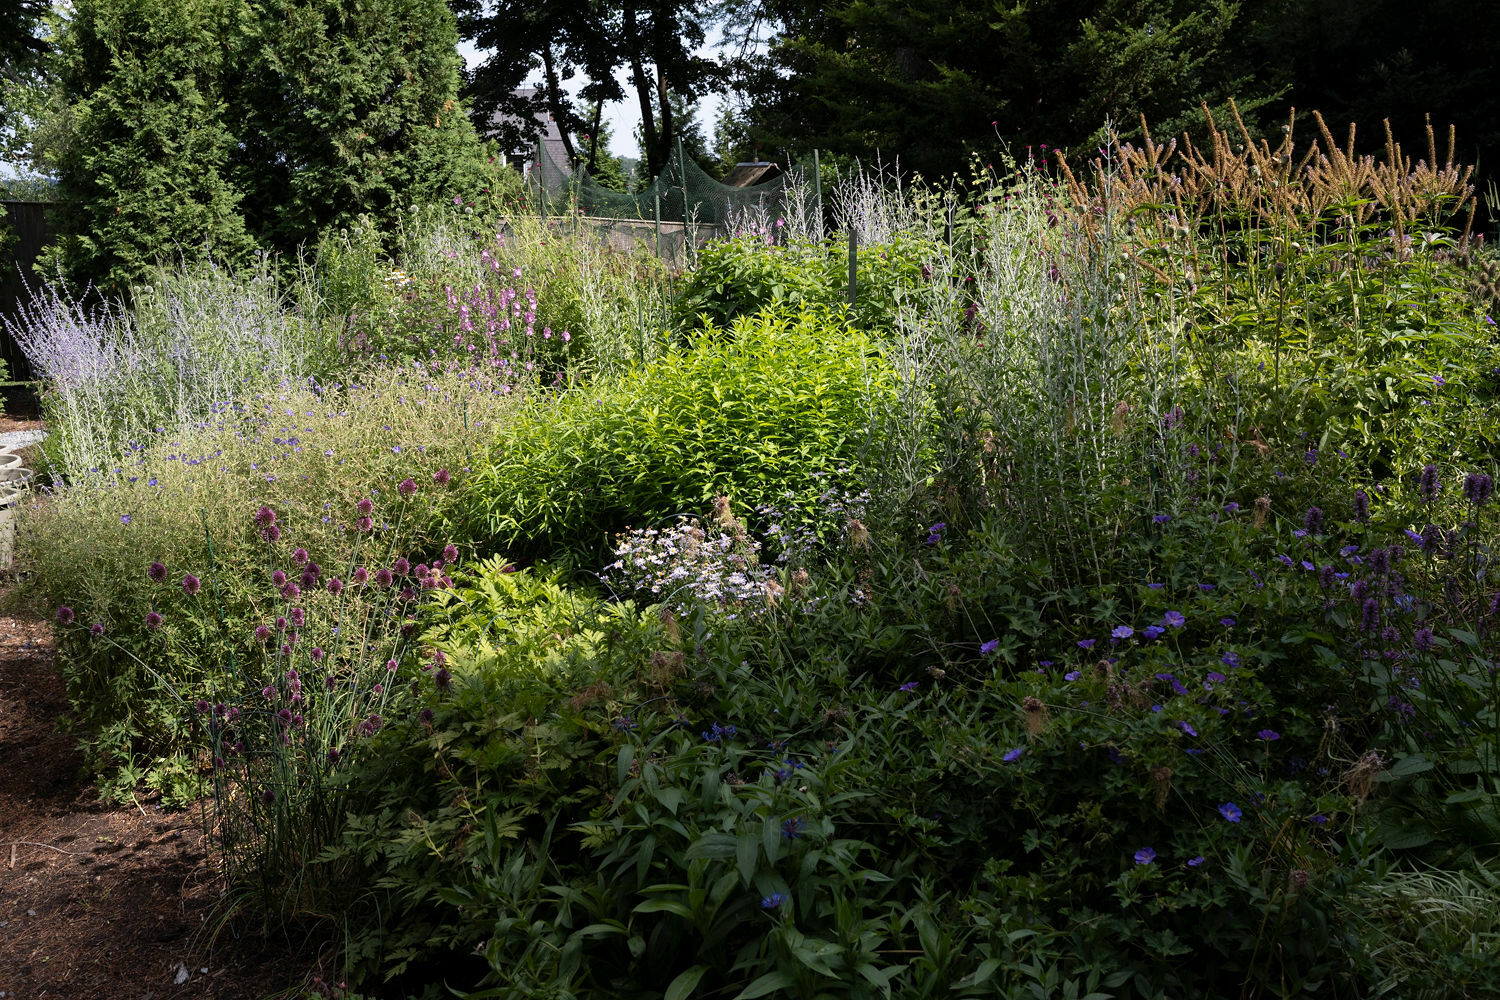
<point x="102" y="901"/>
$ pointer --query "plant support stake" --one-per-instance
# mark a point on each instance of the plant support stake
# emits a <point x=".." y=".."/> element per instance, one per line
<point x="853" y="263"/>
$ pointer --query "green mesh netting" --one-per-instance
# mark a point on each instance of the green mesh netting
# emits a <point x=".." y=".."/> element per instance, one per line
<point x="683" y="192"/>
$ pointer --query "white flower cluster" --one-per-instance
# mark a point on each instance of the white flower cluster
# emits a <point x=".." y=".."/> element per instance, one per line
<point x="685" y="563"/>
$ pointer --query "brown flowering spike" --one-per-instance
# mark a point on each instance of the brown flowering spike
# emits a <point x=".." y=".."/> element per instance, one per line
<point x="1262" y="509"/>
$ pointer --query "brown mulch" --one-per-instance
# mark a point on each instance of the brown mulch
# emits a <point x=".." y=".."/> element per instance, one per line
<point x="100" y="901"/>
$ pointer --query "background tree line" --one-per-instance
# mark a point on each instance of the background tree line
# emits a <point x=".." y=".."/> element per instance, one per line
<point x="255" y="124"/>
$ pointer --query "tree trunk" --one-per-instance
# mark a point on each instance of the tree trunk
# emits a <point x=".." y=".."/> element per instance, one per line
<point x="554" y="102"/>
<point x="594" y="135"/>
<point x="655" y="162"/>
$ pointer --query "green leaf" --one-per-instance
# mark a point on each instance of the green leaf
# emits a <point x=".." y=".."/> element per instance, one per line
<point x="768" y="983"/>
<point x="1412" y="764"/>
<point x="686" y="981"/>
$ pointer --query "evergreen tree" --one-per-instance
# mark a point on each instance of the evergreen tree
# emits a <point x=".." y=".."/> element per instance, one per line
<point x="349" y="107"/>
<point x="145" y="178"/>
<point x="732" y="140"/>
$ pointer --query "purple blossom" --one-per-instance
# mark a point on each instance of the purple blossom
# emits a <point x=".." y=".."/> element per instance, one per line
<point x="1269" y="735"/>
<point x="1122" y="632"/>
<point x="1478" y="487"/>
<point x="157" y="572"/>
<point x="1174" y="619"/>
<point x="278" y="578"/>
<point x="1195" y="862"/>
<point x="335" y="586"/>
<point x="1014" y="754"/>
<point x="262" y="634"/>
<point x="191" y="584"/>
<point x="1231" y="812"/>
<point x="401" y="567"/>
<point x="299" y="556"/>
<point x="153" y="620"/>
<point x="1187" y="728"/>
<point x="989" y="647"/>
<point x="1086" y="643"/>
<point x="909" y="686"/>
<point x="1361" y="506"/>
<point x="265" y="517"/>
<point x="441" y="477"/>
<point x="1153" y="631"/>
<point x="450" y="554"/>
<point x="365" y="507"/>
<point x="1145" y="856"/>
<point x="1428" y="485"/>
<point x="1072" y="675"/>
<point x="1161" y="518"/>
<point x="407" y="487"/>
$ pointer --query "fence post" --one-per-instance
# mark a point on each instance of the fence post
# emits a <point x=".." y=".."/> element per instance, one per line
<point x="657" y="199"/>
<point x="853" y="262"/>
<point x="818" y="191"/>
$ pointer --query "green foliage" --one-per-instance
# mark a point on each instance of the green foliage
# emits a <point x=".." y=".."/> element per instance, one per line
<point x="769" y="406"/>
<point x="375" y="125"/>
<point x="146" y="179"/>
<point x="754" y="272"/>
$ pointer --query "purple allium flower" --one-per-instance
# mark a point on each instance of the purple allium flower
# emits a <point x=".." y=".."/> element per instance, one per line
<point x="390" y="666"/>
<point x="1313" y="520"/>
<point x="96" y="629"/>
<point x="1428" y="485"/>
<point x="450" y="554"/>
<point x="407" y="487"/>
<point x="441" y="477"/>
<point x="360" y="575"/>
<point x="153" y="620"/>
<point x="383" y="577"/>
<point x="1122" y="632"/>
<point x="285" y="715"/>
<point x="262" y="634"/>
<point x="1424" y="639"/>
<point x="1231" y="812"/>
<point x="1014" y="754"/>
<point x="1174" y="619"/>
<point x="365" y="524"/>
<point x="420" y="571"/>
<point x="401" y="567"/>
<point x="291" y="591"/>
<point x="1195" y="862"/>
<point x="271" y="534"/>
<point x="425" y="716"/>
<point x="268" y="796"/>
<point x="278" y="579"/>
<point x="443" y="679"/>
<point x="65" y="615"/>
<point x="280" y="624"/>
<point x="989" y="647"/>
<point x="317" y="653"/>
<point x="366" y="506"/>
<point x="268" y="692"/>
<point x="191" y="584"/>
<point x="1145" y="856"/>
<point x="1086" y="643"/>
<point x="265" y="517"/>
<point x="1478" y="487"/>
<point x="157" y="572"/>
<point x="299" y="556"/>
<point x="298" y="616"/>
<point x="335" y="586"/>
<point x="201" y="706"/>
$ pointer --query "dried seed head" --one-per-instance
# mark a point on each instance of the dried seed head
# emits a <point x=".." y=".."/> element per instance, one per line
<point x="669" y="626"/>
<point x="723" y="516"/>
<point x="1037" y="716"/>
<point x="859" y="535"/>
<point x="1161" y="784"/>
<point x="951" y="597"/>
<point x="1117" y="419"/>
<point x="1262" y="508"/>
<point x="1361" y="777"/>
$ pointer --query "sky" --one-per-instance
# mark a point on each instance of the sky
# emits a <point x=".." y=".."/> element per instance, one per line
<point x="623" y="116"/>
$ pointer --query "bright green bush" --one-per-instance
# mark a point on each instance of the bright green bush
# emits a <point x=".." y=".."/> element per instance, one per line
<point x="745" y="275"/>
<point x="771" y="406"/>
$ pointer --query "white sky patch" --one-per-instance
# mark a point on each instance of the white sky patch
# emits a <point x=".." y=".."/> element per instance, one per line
<point x="622" y="117"/>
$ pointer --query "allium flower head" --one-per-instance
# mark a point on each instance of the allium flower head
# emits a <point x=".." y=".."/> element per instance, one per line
<point x="191" y="584"/>
<point x="271" y="533"/>
<point x="298" y="616"/>
<point x="265" y="517"/>
<point x="365" y="524"/>
<point x="335" y="586"/>
<point x="278" y="578"/>
<point x="65" y="615"/>
<point x="441" y="477"/>
<point x="291" y="591"/>
<point x="383" y="577"/>
<point x="401" y="567"/>
<point x="299" y="556"/>
<point x="365" y="506"/>
<point x="157" y="572"/>
<point x="262" y="634"/>
<point x="96" y="629"/>
<point x="450" y="554"/>
<point x="153" y="620"/>
<point x="407" y="487"/>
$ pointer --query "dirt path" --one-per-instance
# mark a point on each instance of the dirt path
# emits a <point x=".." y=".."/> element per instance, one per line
<point x="99" y="901"/>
